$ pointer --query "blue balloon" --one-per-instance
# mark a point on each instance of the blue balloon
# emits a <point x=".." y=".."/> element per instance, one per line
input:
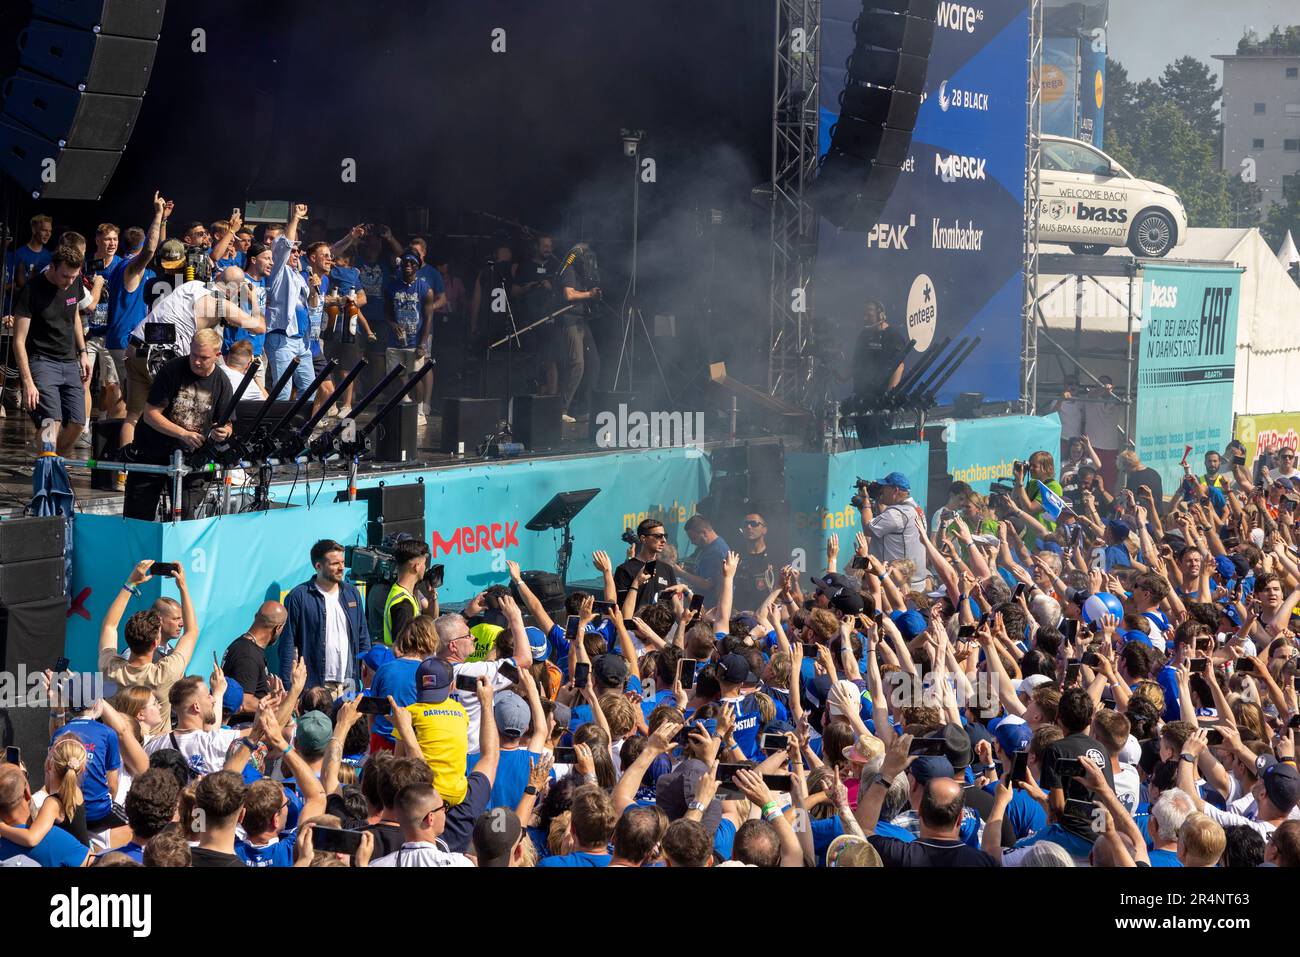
<point x="1098" y="606"/>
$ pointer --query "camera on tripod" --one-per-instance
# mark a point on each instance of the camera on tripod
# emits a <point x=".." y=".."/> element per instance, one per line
<point x="864" y="490"/>
<point x="378" y="566"/>
<point x="198" y="264"/>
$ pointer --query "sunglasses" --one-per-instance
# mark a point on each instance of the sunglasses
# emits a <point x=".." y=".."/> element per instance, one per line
<point x="754" y="524"/>
<point x="656" y="535"/>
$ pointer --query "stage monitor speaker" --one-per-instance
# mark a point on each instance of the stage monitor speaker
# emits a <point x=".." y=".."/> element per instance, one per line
<point x="31" y="640"/>
<point x="83" y="68"/>
<point x="548" y="589"/>
<point x="752" y="471"/>
<point x="466" y="422"/>
<point x="27" y="539"/>
<point x="32" y="580"/>
<point x="394" y="503"/>
<point x="376" y="532"/>
<point x="397" y="438"/>
<point x="885" y="80"/>
<point x="105" y="441"/>
<point x="535" y="421"/>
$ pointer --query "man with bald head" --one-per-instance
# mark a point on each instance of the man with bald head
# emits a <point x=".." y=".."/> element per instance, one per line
<point x="245" y="660"/>
<point x="938" y="842"/>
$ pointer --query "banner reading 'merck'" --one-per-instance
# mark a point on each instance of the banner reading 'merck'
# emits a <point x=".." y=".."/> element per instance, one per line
<point x="1187" y="355"/>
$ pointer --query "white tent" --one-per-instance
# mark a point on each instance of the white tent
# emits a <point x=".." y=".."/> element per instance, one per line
<point x="1268" y="320"/>
<point x="1287" y="254"/>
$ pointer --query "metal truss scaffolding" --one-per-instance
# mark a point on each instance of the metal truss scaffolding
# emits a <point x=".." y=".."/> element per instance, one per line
<point x="795" y="105"/>
<point x="1033" y="169"/>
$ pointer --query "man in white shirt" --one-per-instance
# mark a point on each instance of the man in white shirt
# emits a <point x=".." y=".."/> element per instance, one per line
<point x="195" y="708"/>
<point x="456" y="644"/>
<point x="1276" y="793"/>
<point x="235" y="366"/>
<point x="422" y="813"/>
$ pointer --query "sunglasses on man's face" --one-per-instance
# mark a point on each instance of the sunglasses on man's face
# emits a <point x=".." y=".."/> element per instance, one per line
<point x="754" y="524"/>
<point x="655" y="535"/>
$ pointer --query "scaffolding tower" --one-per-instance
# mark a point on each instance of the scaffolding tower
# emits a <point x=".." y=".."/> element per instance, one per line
<point x="1033" y="170"/>
<point x="796" y="102"/>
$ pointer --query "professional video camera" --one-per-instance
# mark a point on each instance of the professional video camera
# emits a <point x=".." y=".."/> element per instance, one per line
<point x="198" y="264"/>
<point x="377" y="566"/>
<point x="872" y="490"/>
<point x="629" y="536"/>
<point x="1000" y="497"/>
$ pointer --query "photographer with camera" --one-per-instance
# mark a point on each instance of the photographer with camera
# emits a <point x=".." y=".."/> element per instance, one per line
<point x="1027" y="477"/>
<point x="894" y="529"/>
<point x="411" y="556"/>
<point x="650" y="542"/>
<point x="326" y="624"/>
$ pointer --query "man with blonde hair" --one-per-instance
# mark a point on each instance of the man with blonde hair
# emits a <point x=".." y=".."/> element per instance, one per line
<point x="1201" y="841"/>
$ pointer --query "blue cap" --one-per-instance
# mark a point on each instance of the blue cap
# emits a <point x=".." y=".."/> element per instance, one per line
<point x="1230" y="612"/>
<point x="1226" y="567"/>
<point x="928" y="768"/>
<point x="537" y="642"/>
<point x="1136" y="636"/>
<point x="233" y="699"/>
<point x="909" y="623"/>
<point x="1119" y="529"/>
<point x="432" y="681"/>
<point x="376" y="657"/>
<point x="896" y="480"/>
<point x="818" y="691"/>
<point x="1013" y="737"/>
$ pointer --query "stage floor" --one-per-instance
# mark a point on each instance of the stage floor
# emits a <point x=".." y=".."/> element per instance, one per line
<point x="17" y="452"/>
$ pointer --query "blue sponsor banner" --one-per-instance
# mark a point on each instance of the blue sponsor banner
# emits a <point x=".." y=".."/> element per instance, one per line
<point x="1186" y="365"/>
<point x="945" y="257"/>
<point x="1059" y="87"/>
<point x="982" y="451"/>
<point x="818" y="488"/>
<point x="474" y="521"/>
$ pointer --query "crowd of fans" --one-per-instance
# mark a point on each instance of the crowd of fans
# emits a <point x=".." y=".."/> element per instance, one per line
<point x="1058" y="677"/>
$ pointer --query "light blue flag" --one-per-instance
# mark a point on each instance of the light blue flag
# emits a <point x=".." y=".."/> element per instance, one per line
<point x="1052" y="503"/>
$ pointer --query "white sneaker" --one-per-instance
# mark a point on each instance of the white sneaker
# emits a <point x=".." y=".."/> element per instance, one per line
<point x="423" y="417"/>
<point x="568" y="419"/>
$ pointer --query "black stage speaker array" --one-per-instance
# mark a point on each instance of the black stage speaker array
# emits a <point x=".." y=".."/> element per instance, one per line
<point x="746" y="478"/>
<point x="535" y="421"/>
<point x="467" y="421"/>
<point x="878" y="109"/>
<point x="392" y="509"/>
<point x="33" y="619"/>
<point x="84" y="66"/>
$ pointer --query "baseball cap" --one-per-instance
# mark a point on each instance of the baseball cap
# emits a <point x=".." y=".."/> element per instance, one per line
<point x="412" y="256"/>
<point x="171" y="254"/>
<point x="537" y="642"/>
<point x="496" y="833"/>
<point x="314" y="732"/>
<point x="512" y="713"/>
<point x="563" y="715"/>
<point x="896" y="480"/>
<point x="734" y="669"/>
<point x="1027" y="685"/>
<point x="909" y="623"/>
<point x="610" y="670"/>
<point x="1225" y="567"/>
<point x="1013" y="736"/>
<point x="432" y="681"/>
<point x="1119" y="529"/>
<point x="847" y="603"/>
<point x="233" y="699"/>
<point x="846" y="687"/>
<point x="831" y="583"/>
<point x="818" y="691"/>
<point x="376" y="657"/>
<point x="1282" y="785"/>
<point x="956" y="745"/>
<point x="928" y="767"/>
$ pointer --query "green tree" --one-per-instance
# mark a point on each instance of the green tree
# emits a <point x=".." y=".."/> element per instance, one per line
<point x="1244" y="202"/>
<point x="1285" y="215"/>
<point x="1158" y="143"/>
<point x="1190" y="85"/>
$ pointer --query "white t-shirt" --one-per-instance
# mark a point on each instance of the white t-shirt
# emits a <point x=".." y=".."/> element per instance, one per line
<point x="204" y="750"/>
<point x="254" y="390"/>
<point x="336" y="638"/>
<point x="1127" y="787"/>
<point x="423" y="854"/>
<point x="177" y="309"/>
<point x="477" y="669"/>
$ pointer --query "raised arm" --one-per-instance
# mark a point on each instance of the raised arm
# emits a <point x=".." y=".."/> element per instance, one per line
<point x="113" y="617"/>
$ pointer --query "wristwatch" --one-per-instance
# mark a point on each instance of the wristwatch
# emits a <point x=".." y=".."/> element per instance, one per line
<point x="1189" y="758"/>
<point x="530" y="790"/>
<point x="696" y="806"/>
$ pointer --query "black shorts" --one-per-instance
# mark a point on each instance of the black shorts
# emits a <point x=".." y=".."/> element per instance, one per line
<point x="347" y="354"/>
<point x="63" y="394"/>
<point x="319" y="362"/>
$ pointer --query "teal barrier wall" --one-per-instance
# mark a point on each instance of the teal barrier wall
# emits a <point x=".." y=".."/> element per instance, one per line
<point x="981" y="451"/>
<point x="474" y="518"/>
<point x="818" y="488"/>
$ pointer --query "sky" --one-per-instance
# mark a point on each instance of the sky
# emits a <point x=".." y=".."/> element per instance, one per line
<point x="1145" y="35"/>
